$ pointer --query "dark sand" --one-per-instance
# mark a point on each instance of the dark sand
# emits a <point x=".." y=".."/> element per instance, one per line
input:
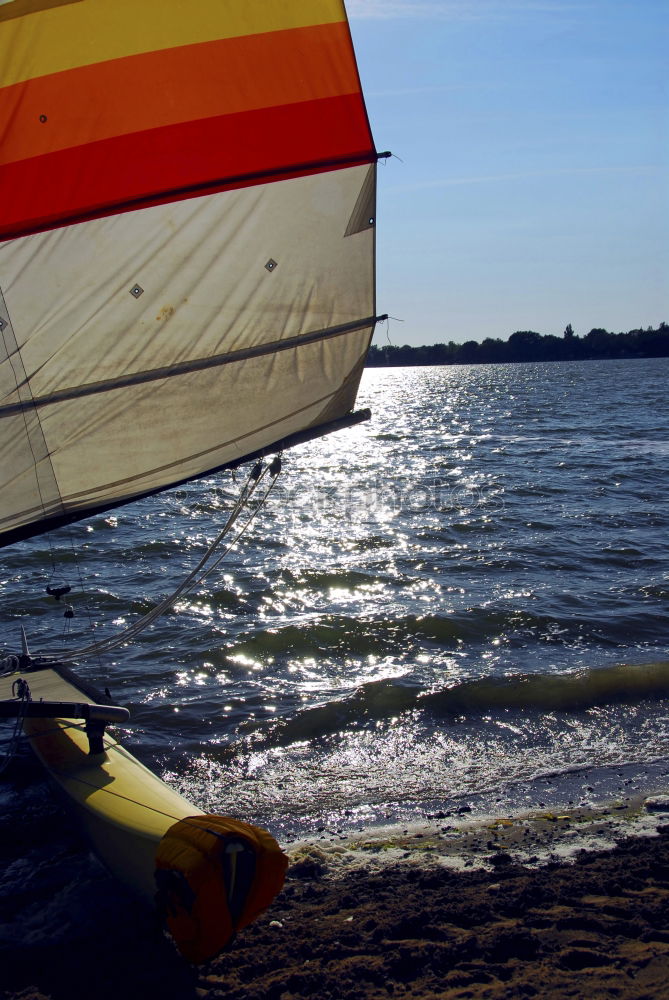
<point x="529" y="907"/>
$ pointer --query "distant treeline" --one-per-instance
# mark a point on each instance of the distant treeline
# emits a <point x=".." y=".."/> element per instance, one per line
<point x="526" y="345"/>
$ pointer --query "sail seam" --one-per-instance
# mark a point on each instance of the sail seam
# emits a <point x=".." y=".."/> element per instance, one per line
<point x="184" y="368"/>
<point x="34" y="431"/>
<point x="193" y="191"/>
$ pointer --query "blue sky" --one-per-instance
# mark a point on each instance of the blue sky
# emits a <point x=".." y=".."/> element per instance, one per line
<point x="532" y="185"/>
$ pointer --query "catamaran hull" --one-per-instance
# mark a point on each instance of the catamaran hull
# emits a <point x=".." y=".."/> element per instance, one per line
<point x="123" y="807"/>
<point x="209" y="875"/>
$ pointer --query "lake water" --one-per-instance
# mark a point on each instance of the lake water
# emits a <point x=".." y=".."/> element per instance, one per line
<point x="462" y="601"/>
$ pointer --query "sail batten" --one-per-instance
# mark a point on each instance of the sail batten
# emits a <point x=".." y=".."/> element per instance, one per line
<point x="96" y="210"/>
<point x="199" y="364"/>
<point x="186" y="268"/>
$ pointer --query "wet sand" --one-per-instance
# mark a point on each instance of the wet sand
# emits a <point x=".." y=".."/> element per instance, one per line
<point x="551" y="905"/>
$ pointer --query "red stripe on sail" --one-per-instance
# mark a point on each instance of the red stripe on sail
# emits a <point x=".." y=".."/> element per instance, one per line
<point x="181" y="161"/>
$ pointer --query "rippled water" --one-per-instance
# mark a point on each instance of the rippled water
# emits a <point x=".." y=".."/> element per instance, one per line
<point x="466" y="593"/>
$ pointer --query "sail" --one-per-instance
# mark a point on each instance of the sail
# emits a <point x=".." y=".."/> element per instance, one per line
<point x="187" y="213"/>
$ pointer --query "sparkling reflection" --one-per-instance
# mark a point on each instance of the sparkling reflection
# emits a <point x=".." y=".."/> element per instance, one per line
<point x="489" y="523"/>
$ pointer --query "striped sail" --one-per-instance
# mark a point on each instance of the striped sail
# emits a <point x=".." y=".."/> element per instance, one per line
<point x="187" y="204"/>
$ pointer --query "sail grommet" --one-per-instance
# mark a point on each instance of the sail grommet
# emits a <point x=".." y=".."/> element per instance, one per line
<point x="271" y="264"/>
<point x="42" y="118"/>
<point x="136" y="290"/>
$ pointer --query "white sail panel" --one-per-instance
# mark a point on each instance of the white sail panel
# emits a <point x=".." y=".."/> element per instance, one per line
<point x="159" y="344"/>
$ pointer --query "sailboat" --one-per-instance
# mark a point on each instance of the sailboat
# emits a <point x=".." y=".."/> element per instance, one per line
<point x="187" y="284"/>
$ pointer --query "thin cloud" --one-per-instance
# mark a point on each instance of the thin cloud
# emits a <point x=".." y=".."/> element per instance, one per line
<point x="418" y="91"/>
<point x="454" y="10"/>
<point x="523" y="175"/>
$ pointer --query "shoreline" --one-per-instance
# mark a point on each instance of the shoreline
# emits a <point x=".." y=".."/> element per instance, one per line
<point x="591" y="788"/>
<point x="462" y="842"/>
<point x="546" y="903"/>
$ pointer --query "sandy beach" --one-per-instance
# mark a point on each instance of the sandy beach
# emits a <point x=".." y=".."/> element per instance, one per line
<point x="549" y="904"/>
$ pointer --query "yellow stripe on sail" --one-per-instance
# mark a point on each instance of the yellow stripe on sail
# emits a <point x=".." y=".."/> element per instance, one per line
<point x="83" y="32"/>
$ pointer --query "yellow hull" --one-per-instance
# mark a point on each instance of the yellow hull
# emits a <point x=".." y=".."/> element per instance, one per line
<point x="209" y="875"/>
<point x="125" y="809"/>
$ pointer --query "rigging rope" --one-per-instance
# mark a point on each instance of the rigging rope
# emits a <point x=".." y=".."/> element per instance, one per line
<point x="203" y="569"/>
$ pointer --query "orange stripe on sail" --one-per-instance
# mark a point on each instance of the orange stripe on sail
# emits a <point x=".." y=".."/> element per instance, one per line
<point x="158" y="89"/>
<point x="183" y="161"/>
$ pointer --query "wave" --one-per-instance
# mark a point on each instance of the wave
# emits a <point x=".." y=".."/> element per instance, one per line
<point x="582" y="689"/>
<point x="376" y="700"/>
<point x="335" y="634"/>
<point x="340" y="634"/>
<point x="534" y="693"/>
